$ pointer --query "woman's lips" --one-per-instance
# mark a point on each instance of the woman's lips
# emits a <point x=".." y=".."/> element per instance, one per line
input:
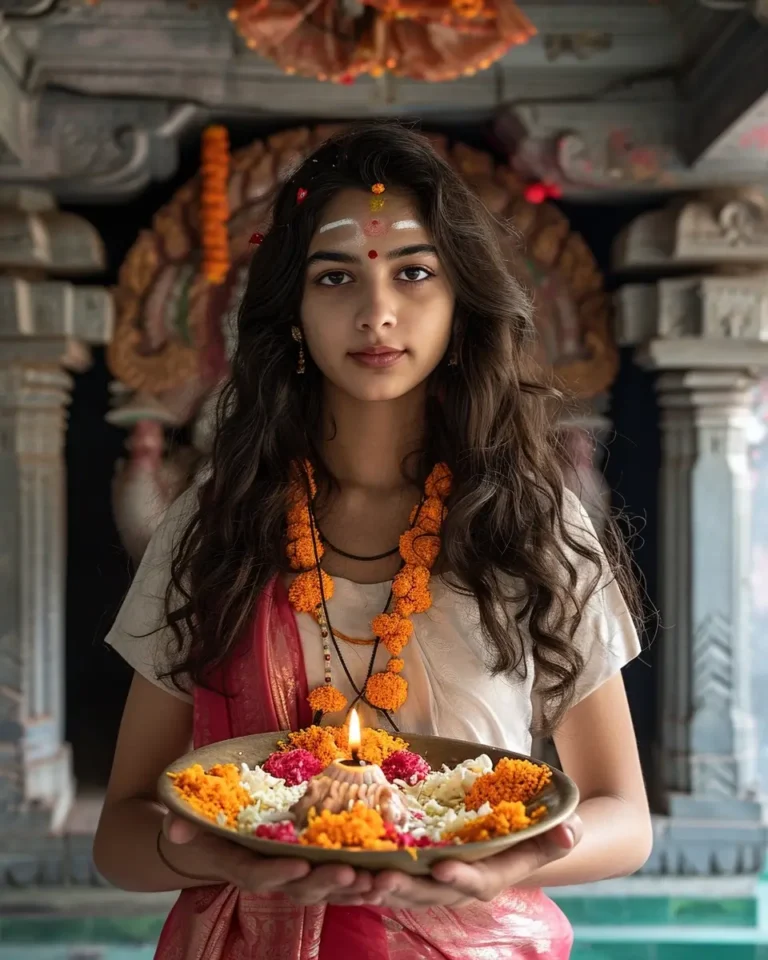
<point x="378" y="356"/>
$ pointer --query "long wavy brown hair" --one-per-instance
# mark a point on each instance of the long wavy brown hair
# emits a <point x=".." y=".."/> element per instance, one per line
<point x="491" y="418"/>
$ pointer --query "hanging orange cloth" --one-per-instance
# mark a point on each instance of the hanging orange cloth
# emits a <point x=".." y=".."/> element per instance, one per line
<point x="339" y="40"/>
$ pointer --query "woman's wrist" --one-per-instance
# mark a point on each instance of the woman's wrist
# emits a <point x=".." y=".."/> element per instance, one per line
<point x="174" y="869"/>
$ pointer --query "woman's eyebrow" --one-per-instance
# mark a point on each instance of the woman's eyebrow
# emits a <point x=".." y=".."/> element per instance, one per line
<point x="412" y="251"/>
<point x="332" y="256"/>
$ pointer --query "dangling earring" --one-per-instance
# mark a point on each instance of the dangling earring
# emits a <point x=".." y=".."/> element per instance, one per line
<point x="297" y="335"/>
<point x="453" y="360"/>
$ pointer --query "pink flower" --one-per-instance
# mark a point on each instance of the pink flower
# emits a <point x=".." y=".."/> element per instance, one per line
<point x="284" y="832"/>
<point x="405" y="765"/>
<point x="295" y="766"/>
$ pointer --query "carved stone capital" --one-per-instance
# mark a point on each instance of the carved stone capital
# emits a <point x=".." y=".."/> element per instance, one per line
<point x="697" y="322"/>
<point x="49" y="309"/>
<point x="722" y="228"/>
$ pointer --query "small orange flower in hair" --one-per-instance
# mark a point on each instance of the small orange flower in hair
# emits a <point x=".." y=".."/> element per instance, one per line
<point x="377" y="200"/>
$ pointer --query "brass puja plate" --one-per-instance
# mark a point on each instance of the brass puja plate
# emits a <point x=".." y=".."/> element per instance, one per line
<point x="561" y="798"/>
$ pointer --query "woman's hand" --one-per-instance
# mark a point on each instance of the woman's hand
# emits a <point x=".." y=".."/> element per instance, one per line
<point x="454" y="884"/>
<point x="201" y="854"/>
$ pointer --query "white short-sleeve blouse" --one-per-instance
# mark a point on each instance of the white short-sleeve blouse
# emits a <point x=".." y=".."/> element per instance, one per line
<point x="451" y="691"/>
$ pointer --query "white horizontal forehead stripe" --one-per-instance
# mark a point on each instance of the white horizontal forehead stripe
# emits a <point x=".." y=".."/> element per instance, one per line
<point x="406" y="225"/>
<point x="346" y="222"/>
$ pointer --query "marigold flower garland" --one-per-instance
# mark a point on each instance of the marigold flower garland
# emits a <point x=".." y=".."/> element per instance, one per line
<point x="419" y="549"/>
<point x="214" y="203"/>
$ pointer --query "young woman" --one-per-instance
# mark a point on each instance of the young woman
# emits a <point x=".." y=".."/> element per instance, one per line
<point x="381" y="384"/>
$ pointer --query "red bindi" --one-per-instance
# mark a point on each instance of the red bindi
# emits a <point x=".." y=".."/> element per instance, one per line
<point x="372" y="254"/>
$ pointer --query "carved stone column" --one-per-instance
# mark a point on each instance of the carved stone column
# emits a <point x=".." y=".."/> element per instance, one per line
<point x="708" y="742"/>
<point x="707" y="339"/>
<point x="45" y="327"/>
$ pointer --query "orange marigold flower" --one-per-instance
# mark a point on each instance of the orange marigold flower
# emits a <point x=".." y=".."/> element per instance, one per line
<point x="404" y="608"/>
<point x="389" y="624"/>
<point x="393" y="630"/>
<point x="319" y="741"/>
<point x="386" y="691"/>
<point x="431" y="516"/>
<point x="508" y="817"/>
<point x="439" y="482"/>
<point x="360" y="828"/>
<point x="326" y="699"/>
<point x="299" y="514"/>
<point x="212" y="793"/>
<point x="395" y="665"/>
<point x="511" y="780"/>
<point x="375" y="745"/>
<point x="302" y="481"/>
<point x="301" y="554"/>
<point x="419" y="600"/>
<point x="304" y="593"/>
<point x="409" y="579"/>
<point x="299" y="531"/>
<point x="378" y="188"/>
<point x="420" y="549"/>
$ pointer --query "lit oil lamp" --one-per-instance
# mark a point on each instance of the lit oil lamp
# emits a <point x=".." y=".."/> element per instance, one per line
<point x="347" y="782"/>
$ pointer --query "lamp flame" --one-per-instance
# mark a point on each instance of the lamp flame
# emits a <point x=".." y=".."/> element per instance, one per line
<point x="354" y="733"/>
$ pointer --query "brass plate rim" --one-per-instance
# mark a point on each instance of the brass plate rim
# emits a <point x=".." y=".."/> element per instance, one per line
<point x="255" y="748"/>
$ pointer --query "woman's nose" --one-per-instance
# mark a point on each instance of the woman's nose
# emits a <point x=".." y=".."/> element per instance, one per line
<point x="377" y="313"/>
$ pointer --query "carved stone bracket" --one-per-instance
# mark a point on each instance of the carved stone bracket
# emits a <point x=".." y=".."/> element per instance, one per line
<point x="611" y="147"/>
<point x="90" y="148"/>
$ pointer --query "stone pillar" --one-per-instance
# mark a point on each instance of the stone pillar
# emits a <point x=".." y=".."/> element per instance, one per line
<point x="45" y="327"/>
<point x="708" y="742"/>
<point x="706" y="338"/>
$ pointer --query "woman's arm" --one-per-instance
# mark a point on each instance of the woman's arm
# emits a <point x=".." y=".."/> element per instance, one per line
<point x="598" y="750"/>
<point x="156" y="729"/>
<point x="609" y="837"/>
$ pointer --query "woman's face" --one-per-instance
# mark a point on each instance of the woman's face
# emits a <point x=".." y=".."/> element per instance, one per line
<point x="377" y="311"/>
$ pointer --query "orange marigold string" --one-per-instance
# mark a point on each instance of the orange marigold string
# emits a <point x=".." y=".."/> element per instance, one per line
<point x="511" y="780"/>
<point x="214" y="203"/>
<point x="419" y="549"/>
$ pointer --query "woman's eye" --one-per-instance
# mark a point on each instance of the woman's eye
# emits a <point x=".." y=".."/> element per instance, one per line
<point x="336" y="279"/>
<point x="414" y="274"/>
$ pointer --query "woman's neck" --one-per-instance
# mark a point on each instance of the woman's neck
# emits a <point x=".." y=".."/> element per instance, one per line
<point x="367" y="442"/>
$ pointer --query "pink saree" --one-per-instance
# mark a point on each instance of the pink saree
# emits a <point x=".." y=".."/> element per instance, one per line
<point x="269" y="684"/>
